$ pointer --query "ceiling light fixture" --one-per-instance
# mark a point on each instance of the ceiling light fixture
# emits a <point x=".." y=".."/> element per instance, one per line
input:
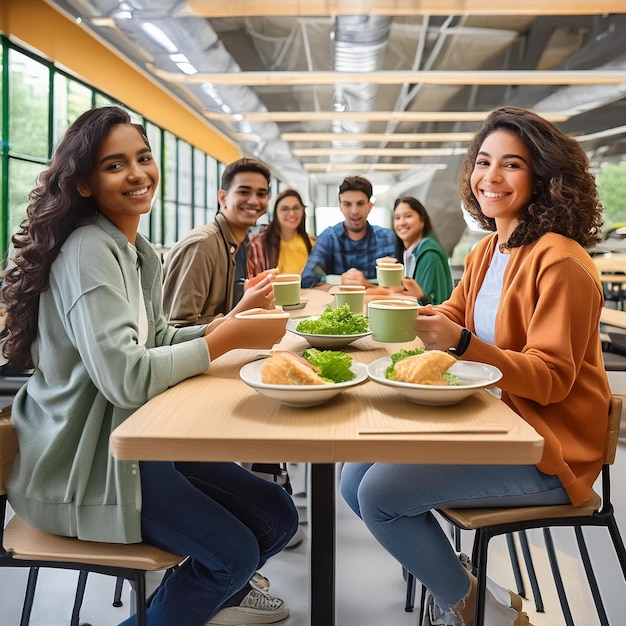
<point x="159" y="37"/>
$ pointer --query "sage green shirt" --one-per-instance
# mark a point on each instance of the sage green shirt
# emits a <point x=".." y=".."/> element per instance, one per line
<point x="91" y="373"/>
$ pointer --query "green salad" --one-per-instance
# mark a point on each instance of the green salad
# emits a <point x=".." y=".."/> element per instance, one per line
<point x="403" y="354"/>
<point x="339" y="321"/>
<point x="333" y="366"/>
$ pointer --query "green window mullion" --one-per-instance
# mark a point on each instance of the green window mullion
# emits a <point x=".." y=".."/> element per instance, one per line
<point x="4" y="152"/>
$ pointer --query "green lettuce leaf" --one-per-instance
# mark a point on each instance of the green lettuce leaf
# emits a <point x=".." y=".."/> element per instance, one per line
<point x="334" y="366"/>
<point x="339" y="321"/>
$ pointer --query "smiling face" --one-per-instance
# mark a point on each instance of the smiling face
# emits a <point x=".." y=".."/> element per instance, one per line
<point x="123" y="180"/>
<point x="502" y="179"/>
<point x="355" y="206"/>
<point x="244" y="201"/>
<point x="289" y="213"/>
<point x="408" y="224"/>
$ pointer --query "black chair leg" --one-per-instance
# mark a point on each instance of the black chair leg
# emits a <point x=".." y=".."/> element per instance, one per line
<point x="29" y="597"/>
<point x="78" y="598"/>
<point x="532" y="575"/>
<point x="591" y="577"/>
<point x="117" y="595"/>
<point x="422" y="605"/>
<point x="618" y="543"/>
<point x="140" y="600"/>
<point x="479" y="561"/>
<point x="558" y="581"/>
<point x="410" y="592"/>
<point x="517" y="572"/>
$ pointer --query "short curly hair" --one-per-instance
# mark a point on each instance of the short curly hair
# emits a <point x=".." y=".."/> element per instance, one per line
<point x="565" y="198"/>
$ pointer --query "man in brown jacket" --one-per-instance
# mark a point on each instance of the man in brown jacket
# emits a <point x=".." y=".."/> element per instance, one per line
<point x="200" y="269"/>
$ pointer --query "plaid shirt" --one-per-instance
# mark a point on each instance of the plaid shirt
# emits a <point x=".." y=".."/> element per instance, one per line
<point x="335" y="253"/>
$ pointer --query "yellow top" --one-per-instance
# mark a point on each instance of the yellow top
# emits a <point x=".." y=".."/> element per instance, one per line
<point x="292" y="256"/>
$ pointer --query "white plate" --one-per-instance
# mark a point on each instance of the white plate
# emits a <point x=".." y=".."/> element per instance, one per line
<point x="473" y="376"/>
<point x="324" y="342"/>
<point x="294" y="307"/>
<point x="299" y="395"/>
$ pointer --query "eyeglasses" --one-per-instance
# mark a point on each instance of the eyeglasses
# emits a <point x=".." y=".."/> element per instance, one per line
<point x="294" y="209"/>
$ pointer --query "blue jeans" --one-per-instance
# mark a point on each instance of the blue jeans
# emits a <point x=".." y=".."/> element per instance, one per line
<point x="226" y="519"/>
<point x="395" y="502"/>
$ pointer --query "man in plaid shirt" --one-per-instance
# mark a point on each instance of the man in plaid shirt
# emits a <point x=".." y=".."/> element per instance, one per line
<point x="346" y="253"/>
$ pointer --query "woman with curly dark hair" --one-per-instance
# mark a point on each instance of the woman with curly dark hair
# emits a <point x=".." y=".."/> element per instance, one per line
<point x="528" y="303"/>
<point x="84" y="311"/>
<point x="284" y="243"/>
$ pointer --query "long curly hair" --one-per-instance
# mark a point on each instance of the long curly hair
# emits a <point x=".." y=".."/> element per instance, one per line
<point x="271" y="235"/>
<point x="565" y="198"/>
<point x="55" y="209"/>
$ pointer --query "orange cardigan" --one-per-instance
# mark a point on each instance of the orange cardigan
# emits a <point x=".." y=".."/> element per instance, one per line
<point x="548" y="347"/>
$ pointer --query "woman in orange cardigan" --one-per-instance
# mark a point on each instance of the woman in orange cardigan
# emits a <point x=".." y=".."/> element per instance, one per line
<point x="529" y="303"/>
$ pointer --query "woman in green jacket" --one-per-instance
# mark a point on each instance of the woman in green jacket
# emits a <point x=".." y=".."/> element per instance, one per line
<point x="425" y="261"/>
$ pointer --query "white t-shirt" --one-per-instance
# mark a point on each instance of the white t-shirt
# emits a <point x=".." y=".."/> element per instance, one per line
<point x="488" y="298"/>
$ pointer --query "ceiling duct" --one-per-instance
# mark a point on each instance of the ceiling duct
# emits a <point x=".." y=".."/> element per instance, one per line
<point x="360" y="45"/>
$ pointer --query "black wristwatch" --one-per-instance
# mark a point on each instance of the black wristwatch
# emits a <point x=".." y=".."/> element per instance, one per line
<point x="464" y="342"/>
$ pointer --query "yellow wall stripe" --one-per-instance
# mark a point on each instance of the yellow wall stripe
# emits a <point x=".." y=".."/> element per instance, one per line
<point x="36" y="25"/>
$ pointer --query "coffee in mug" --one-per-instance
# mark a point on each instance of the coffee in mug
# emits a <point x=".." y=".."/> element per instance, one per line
<point x="393" y="321"/>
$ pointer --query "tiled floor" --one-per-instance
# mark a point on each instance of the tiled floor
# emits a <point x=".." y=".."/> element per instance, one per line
<point x="370" y="589"/>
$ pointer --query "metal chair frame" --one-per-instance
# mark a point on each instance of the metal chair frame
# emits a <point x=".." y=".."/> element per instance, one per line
<point x="489" y="523"/>
<point x="24" y="546"/>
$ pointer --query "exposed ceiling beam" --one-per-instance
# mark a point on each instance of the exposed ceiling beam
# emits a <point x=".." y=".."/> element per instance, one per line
<point x="293" y="8"/>
<point x="381" y="167"/>
<point x="375" y="137"/>
<point x="363" y="116"/>
<point x="469" y="77"/>
<point x="378" y="152"/>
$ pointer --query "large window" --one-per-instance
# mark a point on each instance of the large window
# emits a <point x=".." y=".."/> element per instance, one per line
<point x="40" y="102"/>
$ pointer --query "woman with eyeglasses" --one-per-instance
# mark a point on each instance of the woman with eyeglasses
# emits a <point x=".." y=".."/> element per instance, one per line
<point x="284" y="244"/>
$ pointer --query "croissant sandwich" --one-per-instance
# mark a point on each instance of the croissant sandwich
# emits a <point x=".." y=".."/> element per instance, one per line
<point x="287" y="368"/>
<point x="427" y="368"/>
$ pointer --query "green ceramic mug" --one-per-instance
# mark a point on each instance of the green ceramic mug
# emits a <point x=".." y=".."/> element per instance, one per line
<point x="390" y="274"/>
<point x="286" y="289"/>
<point x="352" y="295"/>
<point x="393" y="321"/>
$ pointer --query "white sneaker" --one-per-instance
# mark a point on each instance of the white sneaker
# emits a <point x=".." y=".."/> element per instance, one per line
<point x="260" y="583"/>
<point x="255" y="608"/>
<point x="434" y="616"/>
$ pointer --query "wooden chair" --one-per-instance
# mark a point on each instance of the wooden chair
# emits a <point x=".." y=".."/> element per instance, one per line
<point x="24" y="546"/>
<point x="598" y="511"/>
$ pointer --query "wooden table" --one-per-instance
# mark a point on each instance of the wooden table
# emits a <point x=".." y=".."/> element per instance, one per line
<point x="611" y="263"/>
<point x="613" y="317"/>
<point x="216" y="417"/>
